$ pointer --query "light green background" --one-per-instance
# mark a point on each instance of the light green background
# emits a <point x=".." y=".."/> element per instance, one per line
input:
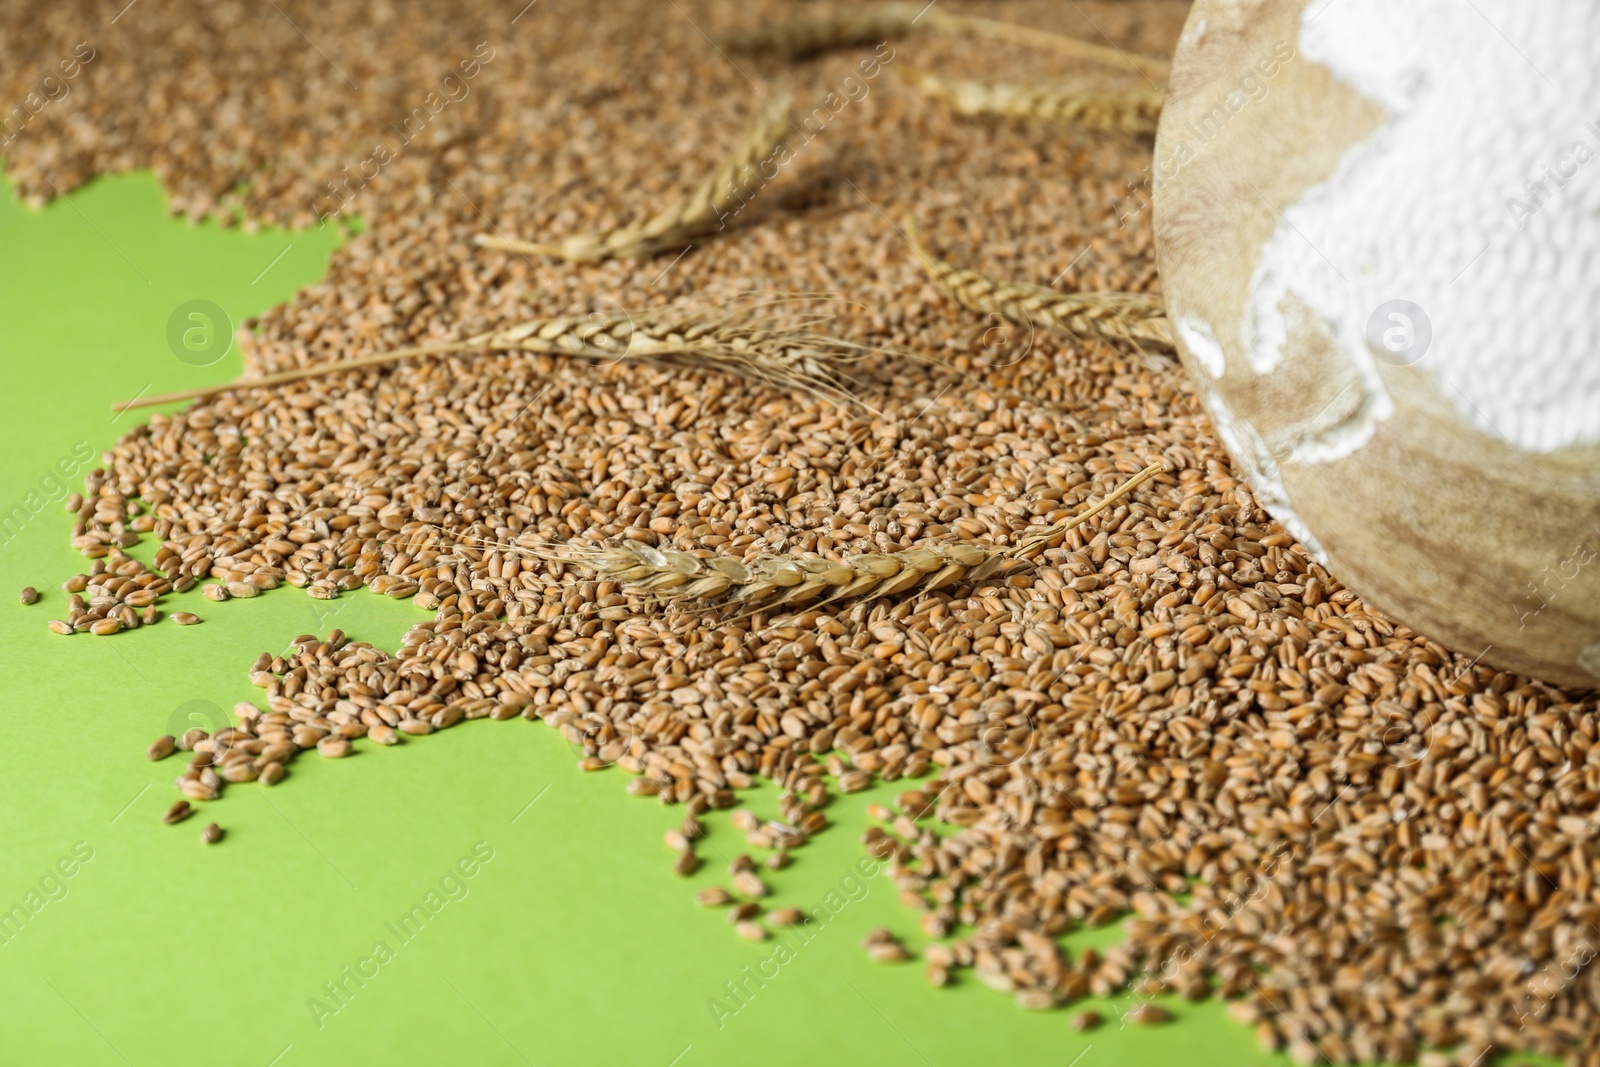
<point x="574" y="944"/>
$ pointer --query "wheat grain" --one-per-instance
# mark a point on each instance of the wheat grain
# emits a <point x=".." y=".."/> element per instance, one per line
<point x="1227" y="753"/>
<point x="1137" y="319"/>
<point x="1130" y="111"/>
<point x="736" y="339"/>
<point x="699" y="213"/>
<point x="676" y="576"/>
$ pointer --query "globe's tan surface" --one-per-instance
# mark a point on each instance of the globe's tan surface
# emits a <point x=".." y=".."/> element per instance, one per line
<point x="1385" y="466"/>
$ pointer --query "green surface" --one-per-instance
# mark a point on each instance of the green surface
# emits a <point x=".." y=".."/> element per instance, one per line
<point x="573" y="943"/>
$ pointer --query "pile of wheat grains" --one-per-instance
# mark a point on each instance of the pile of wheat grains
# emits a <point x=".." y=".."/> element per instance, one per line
<point x="1378" y="847"/>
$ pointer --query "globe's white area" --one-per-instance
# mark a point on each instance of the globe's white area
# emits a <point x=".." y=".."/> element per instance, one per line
<point x="1478" y="200"/>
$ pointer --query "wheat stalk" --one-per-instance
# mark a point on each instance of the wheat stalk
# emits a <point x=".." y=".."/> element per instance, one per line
<point x="1075" y="47"/>
<point x="856" y="27"/>
<point x="802" y="38"/>
<point x="698" y="213"/>
<point x="1137" y="319"/>
<point x="739" y="342"/>
<point x="673" y="575"/>
<point x="1131" y="111"/>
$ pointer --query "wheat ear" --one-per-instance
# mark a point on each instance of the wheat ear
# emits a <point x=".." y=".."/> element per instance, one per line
<point x="740" y="341"/>
<point x="703" y="211"/>
<point x="1136" y="319"/>
<point x="1130" y="111"/>
<point x="672" y="575"/>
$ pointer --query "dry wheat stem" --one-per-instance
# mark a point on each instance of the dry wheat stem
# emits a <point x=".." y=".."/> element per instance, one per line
<point x="703" y="211"/>
<point x="873" y="24"/>
<point x="739" y="341"/>
<point x="1075" y="47"/>
<point x="1045" y="536"/>
<point x="1130" y="111"/>
<point x="807" y="36"/>
<point x="1137" y="319"/>
<point x="672" y="575"/>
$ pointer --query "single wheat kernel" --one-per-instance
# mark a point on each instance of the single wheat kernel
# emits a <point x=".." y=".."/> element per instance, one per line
<point x="712" y="896"/>
<point x="307" y="736"/>
<point x="211" y="834"/>
<point x="29" y="595"/>
<point x="914" y="803"/>
<point x="854" y="781"/>
<point x="185" y="618"/>
<point x="197" y="790"/>
<point x="161" y="747"/>
<point x="179" y="811"/>
<point x="242" y="770"/>
<point x="1148" y="1014"/>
